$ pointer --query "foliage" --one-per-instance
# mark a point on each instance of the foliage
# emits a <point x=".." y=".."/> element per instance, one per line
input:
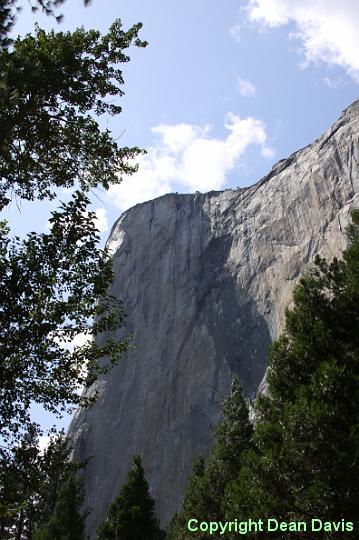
<point x="305" y="462"/>
<point x="53" y="286"/>
<point x="29" y="484"/>
<point x="10" y="8"/>
<point x="67" y="522"/>
<point x="49" y="85"/>
<point x="131" y="515"/>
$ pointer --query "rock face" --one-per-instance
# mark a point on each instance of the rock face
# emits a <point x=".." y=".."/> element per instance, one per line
<point x="205" y="279"/>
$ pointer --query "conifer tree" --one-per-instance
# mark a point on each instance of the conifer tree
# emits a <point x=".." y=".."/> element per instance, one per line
<point x="19" y="483"/>
<point x="67" y="522"/>
<point x="194" y="502"/>
<point x="30" y="485"/>
<point x="131" y="515"/>
<point x="305" y="462"/>
<point x="206" y="486"/>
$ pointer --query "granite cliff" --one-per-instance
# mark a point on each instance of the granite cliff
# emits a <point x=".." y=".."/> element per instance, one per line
<point x="205" y="279"/>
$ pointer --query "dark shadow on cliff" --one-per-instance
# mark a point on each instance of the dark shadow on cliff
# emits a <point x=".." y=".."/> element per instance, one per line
<point x="240" y="332"/>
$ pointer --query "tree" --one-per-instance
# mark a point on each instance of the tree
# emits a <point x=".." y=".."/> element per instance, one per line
<point x="204" y="494"/>
<point x="10" y="8"/>
<point x="49" y="84"/>
<point x="305" y="462"/>
<point x="30" y="484"/>
<point x="131" y="515"/>
<point x="194" y="504"/>
<point x="53" y="88"/>
<point x="67" y="522"/>
<point x="18" y="483"/>
<point x="55" y="285"/>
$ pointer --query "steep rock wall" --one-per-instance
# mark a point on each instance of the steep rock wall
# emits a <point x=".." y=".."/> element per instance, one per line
<point x="205" y="279"/>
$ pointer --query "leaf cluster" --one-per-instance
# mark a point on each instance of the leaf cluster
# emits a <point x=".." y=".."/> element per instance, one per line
<point x="30" y="483"/>
<point x="55" y="287"/>
<point x="10" y="8"/>
<point x="50" y="84"/>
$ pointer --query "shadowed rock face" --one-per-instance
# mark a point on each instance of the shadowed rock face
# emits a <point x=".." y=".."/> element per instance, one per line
<point x="205" y="279"/>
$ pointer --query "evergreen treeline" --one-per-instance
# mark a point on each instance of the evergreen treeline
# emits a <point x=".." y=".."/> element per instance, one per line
<point x="301" y="462"/>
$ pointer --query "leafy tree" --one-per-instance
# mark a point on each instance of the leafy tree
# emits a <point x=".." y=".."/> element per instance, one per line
<point x="305" y="462"/>
<point x="49" y="84"/>
<point x="19" y="482"/>
<point x="206" y="487"/>
<point x="131" y="515"/>
<point x="10" y="8"/>
<point x="30" y="484"/>
<point x="56" y="467"/>
<point x="52" y="86"/>
<point x="53" y="284"/>
<point x="67" y="522"/>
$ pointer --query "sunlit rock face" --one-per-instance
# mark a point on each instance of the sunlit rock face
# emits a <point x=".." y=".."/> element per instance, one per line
<point x="205" y="279"/>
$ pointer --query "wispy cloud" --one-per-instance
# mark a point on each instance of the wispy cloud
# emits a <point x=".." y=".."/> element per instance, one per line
<point x="335" y="83"/>
<point x="235" y="32"/>
<point x="328" y="30"/>
<point x="188" y="158"/>
<point x="245" y="88"/>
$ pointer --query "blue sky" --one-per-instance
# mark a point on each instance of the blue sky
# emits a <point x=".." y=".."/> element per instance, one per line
<point x="223" y="90"/>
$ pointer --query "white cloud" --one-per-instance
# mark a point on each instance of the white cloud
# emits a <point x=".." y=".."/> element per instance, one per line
<point x="101" y="219"/>
<point x="188" y="158"/>
<point x="235" y="32"/>
<point x="268" y="152"/>
<point x="334" y="83"/>
<point x="328" y="29"/>
<point x="78" y="340"/>
<point x="246" y="88"/>
<point x="44" y="441"/>
<point x="181" y="135"/>
<point x="151" y="180"/>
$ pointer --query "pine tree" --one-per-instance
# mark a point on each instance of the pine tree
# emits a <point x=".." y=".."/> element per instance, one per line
<point x="206" y="487"/>
<point x="67" y="522"/>
<point x="305" y="461"/>
<point x="131" y="515"/>
<point x="194" y="504"/>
